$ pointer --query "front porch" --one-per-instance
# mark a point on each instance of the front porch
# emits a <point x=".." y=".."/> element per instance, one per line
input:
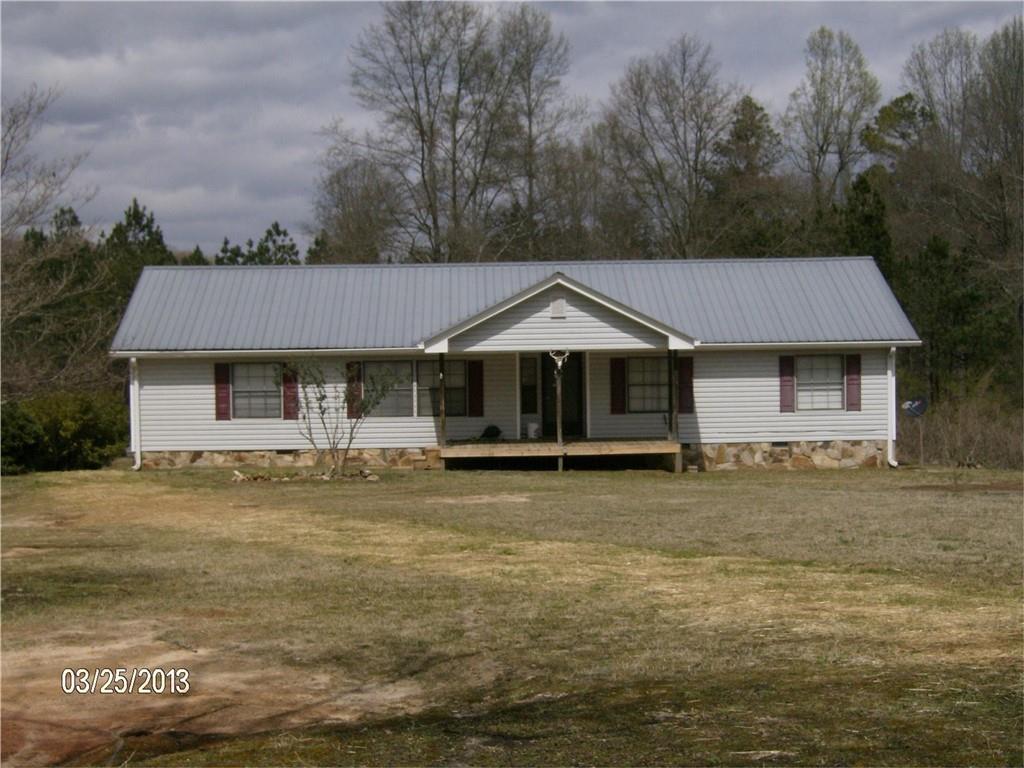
<point x="591" y="378"/>
<point x="591" y="403"/>
<point x="568" y="447"/>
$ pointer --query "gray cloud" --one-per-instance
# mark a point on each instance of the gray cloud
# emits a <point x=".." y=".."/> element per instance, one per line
<point x="209" y="113"/>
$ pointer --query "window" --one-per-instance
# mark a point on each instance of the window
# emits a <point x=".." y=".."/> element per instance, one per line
<point x="428" y="387"/>
<point x="647" y="383"/>
<point x="255" y="391"/>
<point x="399" y="375"/>
<point x="528" y="384"/>
<point x="819" y="383"/>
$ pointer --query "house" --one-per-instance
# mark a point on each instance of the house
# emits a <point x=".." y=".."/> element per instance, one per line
<point x="721" y="363"/>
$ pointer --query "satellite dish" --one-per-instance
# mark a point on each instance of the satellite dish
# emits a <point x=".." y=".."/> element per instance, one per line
<point x="916" y="407"/>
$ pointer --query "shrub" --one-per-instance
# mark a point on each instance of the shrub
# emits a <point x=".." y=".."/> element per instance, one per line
<point x="20" y="438"/>
<point x="65" y="430"/>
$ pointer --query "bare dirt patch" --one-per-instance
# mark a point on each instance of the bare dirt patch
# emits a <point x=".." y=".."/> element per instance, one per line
<point x="231" y="693"/>
<point x="13" y="552"/>
<point x="499" y="498"/>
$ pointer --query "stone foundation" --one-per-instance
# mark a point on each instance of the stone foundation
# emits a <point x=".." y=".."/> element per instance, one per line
<point x="836" y="454"/>
<point x="393" y="458"/>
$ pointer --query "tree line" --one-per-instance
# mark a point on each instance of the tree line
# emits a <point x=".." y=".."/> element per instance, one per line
<point x="479" y="153"/>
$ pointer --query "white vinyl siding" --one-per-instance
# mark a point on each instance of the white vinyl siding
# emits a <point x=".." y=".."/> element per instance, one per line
<point x="530" y="327"/>
<point x="736" y="398"/>
<point x="176" y="400"/>
<point x="736" y="395"/>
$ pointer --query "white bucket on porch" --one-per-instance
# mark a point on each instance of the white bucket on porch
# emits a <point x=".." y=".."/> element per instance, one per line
<point x="532" y="430"/>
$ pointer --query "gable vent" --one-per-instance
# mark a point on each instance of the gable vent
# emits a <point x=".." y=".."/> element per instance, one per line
<point x="558" y="306"/>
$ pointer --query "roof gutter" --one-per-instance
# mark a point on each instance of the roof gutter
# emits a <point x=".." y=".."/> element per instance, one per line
<point x="741" y="346"/>
<point x="698" y="345"/>
<point x="241" y="353"/>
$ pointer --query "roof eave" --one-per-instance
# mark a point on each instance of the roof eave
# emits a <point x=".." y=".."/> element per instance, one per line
<point x="239" y="353"/>
<point x="836" y="344"/>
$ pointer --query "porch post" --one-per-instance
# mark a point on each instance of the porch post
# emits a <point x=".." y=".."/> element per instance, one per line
<point x="558" y="412"/>
<point x="558" y="406"/>
<point x="441" y="409"/>
<point x="673" y="397"/>
<point x="673" y="409"/>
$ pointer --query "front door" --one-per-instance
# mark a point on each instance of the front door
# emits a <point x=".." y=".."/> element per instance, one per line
<point x="573" y="396"/>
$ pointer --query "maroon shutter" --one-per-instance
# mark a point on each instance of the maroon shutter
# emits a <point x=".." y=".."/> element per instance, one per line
<point x="289" y="393"/>
<point x="474" y="387"/>
<point x="853" y="382"/>
<point x="684" y="371"/>
<point x="617" y="377"/>
<point x="354" y="389"/>
<point x="222" y="390"/>
<point x="787" y="401"/>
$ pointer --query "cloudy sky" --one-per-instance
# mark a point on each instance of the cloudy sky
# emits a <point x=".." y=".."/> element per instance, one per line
<point x="209" y="113"/>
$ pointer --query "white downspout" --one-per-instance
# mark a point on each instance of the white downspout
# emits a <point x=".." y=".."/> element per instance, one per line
<point x="891" y="376"/>
<point x="134" y="413"/>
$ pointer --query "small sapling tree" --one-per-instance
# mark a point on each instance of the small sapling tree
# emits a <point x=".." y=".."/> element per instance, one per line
<point x="331" y="408"/>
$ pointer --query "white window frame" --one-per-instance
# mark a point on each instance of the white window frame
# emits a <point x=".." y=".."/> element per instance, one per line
<point x="662" y="361"/>
<point x="235" y="390"/>
<point x="365" y="377"/>
<point x="820" y="387"/>
<point x="465" y="387"/>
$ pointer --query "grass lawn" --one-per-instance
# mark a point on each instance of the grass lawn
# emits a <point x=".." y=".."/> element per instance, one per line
<point x="498" y="618"/>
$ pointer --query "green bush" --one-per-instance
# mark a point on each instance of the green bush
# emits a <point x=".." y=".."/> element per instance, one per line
<point x="20" y="438"/>
<point x="65" y="430"/>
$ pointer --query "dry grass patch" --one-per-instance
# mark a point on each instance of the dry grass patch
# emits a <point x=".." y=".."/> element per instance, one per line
<point x="592" y="617"/>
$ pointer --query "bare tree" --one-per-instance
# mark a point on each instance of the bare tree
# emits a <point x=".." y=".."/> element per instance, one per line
<point x="666" y="115"/>
<point x="331" y="409"/>
<point x="31" y="185"/>
<point x="357" y="212"/>
<point x="541" y="112"/>
<point x="828" y="111"/>
<point x="440" y="80"/>
<point x="967" y="171"/>
<point x="55" y="328"/>
<point x="941" y="73"/>
<point x="46" y="279"/>
<point x="587" y="212"/>
<point x="997" y="155"/>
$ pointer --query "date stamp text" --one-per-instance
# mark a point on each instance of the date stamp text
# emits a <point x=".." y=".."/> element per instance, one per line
<point x="122" y="680"/>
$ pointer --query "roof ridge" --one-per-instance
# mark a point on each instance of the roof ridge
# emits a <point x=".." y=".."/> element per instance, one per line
<point x="497" y="264"/>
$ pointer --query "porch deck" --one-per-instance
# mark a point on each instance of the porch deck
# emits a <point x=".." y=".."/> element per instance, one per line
<point x="569" y="447"/>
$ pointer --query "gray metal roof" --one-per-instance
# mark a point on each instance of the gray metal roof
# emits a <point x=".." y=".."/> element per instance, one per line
<point x="838" y="299"/>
